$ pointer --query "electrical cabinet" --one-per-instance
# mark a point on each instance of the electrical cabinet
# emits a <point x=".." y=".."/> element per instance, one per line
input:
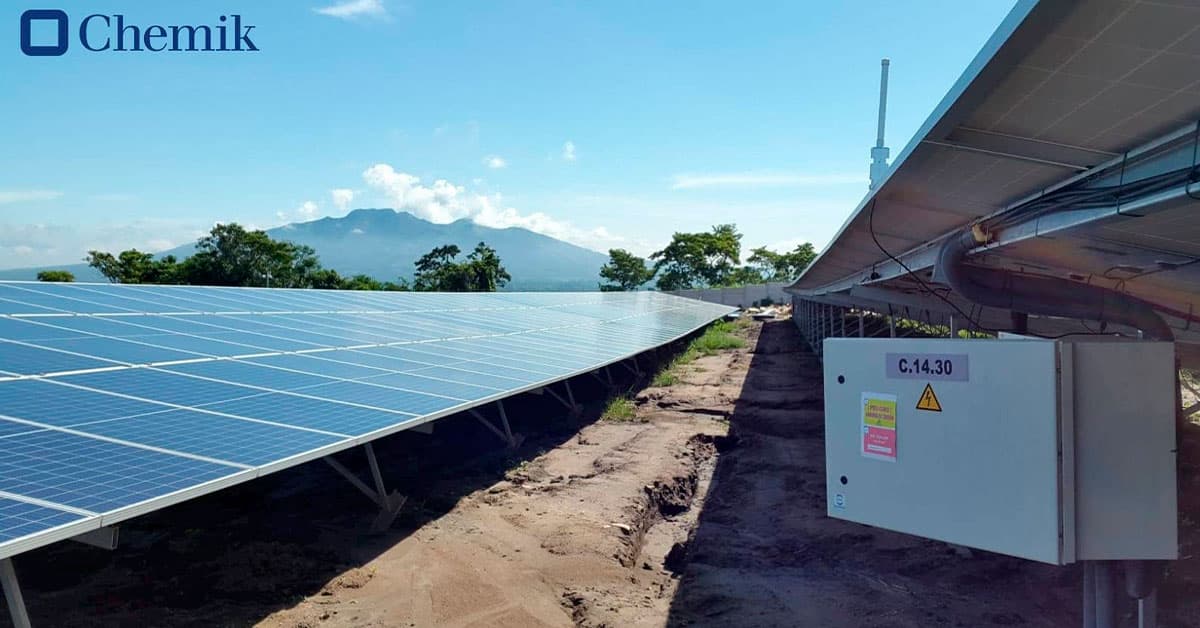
<point x="1055" y="451"/>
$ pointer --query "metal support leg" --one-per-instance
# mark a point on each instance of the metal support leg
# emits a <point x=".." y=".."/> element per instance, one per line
<point x="862" y="328"/>
<point x="637" y="372"/>
<point x="570" y="405"/>
<point x="842" y="320"/>
<point x="571" y="395"/>
<point x="12" y="594"/>
<point x="1105" y="595"/>
<point x="389" y="503"/>
<point x="1148" y="611"/>
<point x="953" y="327"/>
<point x="506" y="434"/>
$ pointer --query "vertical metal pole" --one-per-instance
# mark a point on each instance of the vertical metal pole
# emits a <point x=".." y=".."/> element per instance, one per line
<point x="1089" y="594"/>
<point x="891" y="324"/>
<point x="862" y="329"/>
<point x="1105" y="595"/>
<point x="12" y="594"/>
<point x="953" y="327"/>
<point x="842" y="320"/>
<point x="1148" y="611"/>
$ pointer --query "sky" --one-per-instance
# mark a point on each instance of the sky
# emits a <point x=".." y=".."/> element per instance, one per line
<point x="607" y="124"/>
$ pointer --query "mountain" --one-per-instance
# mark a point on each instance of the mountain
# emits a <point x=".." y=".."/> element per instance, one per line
<point x="384" y="243"/>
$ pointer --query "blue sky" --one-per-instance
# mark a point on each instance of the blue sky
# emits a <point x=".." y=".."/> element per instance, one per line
<point x="608" y="124"/>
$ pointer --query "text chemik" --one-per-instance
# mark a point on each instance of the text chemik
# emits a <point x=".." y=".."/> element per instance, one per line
<point x="112" y="33"/>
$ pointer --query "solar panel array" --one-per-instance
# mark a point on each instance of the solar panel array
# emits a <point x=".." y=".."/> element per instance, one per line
<point x="116" y="400"/>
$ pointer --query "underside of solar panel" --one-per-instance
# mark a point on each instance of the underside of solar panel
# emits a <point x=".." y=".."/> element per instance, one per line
<point x="117" y="400"/>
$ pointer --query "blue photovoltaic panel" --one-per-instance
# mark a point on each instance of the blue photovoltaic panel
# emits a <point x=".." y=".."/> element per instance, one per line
<point x="53" y="404"/>
<point x="212" y="436"/>
<point x="99" y="429"/>
<point x="317" y="414"/>
<point x="409" y="381"/>
<point x="18" y="519"/>
<point x="250" y="373"/>
<point x="25" y="360"/>
<point x="95" y="475"/>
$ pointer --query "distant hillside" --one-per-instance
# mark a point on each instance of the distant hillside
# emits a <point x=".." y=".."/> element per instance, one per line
<point x="384" y="243"/>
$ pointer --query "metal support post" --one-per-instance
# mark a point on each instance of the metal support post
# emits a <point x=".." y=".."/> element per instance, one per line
<point x="842" y="320"/>
<point x="570" y="405"/>
<point x="571" y="395"/>
<point x="506" y="434"/>
<point x="637" y="372"/>
<point x="12" y="594"/>
<point x="1148" y="611"/>
<point x="953" y="327"/>
<point x="862" y="330"/>
<point x="389" y="503"/>
<point x="1105" y="595"/>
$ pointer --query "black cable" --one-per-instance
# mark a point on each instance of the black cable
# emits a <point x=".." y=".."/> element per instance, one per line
<point x="924" y="286"/>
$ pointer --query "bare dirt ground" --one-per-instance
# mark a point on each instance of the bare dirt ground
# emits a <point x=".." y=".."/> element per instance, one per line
<point x="706" y="509"/>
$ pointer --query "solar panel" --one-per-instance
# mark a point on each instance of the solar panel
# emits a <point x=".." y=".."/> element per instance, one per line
<point x="116" y="400"/>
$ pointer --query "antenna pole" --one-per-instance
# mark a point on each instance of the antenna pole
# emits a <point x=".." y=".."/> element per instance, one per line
<point x="880" y="153"/>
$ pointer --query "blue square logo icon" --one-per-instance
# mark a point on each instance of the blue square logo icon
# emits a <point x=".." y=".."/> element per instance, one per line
<point x="40" y="48"/>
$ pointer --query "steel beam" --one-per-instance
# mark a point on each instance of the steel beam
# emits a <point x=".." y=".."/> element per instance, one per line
<point x="12" y="594"/>
<point x="389" y="503"/>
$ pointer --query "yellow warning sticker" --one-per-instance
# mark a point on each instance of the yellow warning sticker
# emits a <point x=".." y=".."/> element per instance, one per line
<point x="929" y="400"/>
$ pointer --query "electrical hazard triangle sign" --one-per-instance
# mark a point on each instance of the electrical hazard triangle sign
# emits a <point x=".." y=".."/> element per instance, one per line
<point x="929" y="400"/>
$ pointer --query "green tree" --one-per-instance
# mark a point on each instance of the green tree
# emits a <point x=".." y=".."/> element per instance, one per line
<point x="624" y="271"/>
<point x="698" y="259"/>
<point x="482" y="271"/>
<point x="130" y="266"/>
<point x="782" y="266"/>
<point x="55" y="275"/>
<point x="232" y="256"/>
<point x="437" y="270"/>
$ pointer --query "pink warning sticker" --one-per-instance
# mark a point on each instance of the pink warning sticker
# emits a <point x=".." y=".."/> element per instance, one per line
<point x="879" y="426"/>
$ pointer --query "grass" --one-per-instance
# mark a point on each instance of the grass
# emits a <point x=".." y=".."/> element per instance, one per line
<point x="620" y="410"/>
<point x="718" y="337"/>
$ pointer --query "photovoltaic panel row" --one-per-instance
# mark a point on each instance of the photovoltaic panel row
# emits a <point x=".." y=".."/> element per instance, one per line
<point x="148" y="383"/>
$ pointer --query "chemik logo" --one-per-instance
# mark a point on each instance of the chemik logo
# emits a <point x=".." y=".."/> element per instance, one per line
<point x="100" y="32"/>
<point x="44" y="17"/>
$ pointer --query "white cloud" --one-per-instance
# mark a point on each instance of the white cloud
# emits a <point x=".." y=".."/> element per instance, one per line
<point x="27" y="196"/>
<point x="357" y="231"/>
<point x="355" y="9"/>
<point x="763" y="179"/>
<point x="23" y="245"/>
<point x="568" y="151"/>
<point x="307" y="209"/>
<point x="494" y="162"/>
<point x="443" y="202"/>
<point x="342" y="197"/>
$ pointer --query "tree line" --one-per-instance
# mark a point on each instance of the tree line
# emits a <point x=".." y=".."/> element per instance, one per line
<point x="230" y="255"/>
<point x="709" y="259"/>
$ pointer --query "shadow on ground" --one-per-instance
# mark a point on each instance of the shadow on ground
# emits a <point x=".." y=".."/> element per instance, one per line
<point x="234" y="557"/>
